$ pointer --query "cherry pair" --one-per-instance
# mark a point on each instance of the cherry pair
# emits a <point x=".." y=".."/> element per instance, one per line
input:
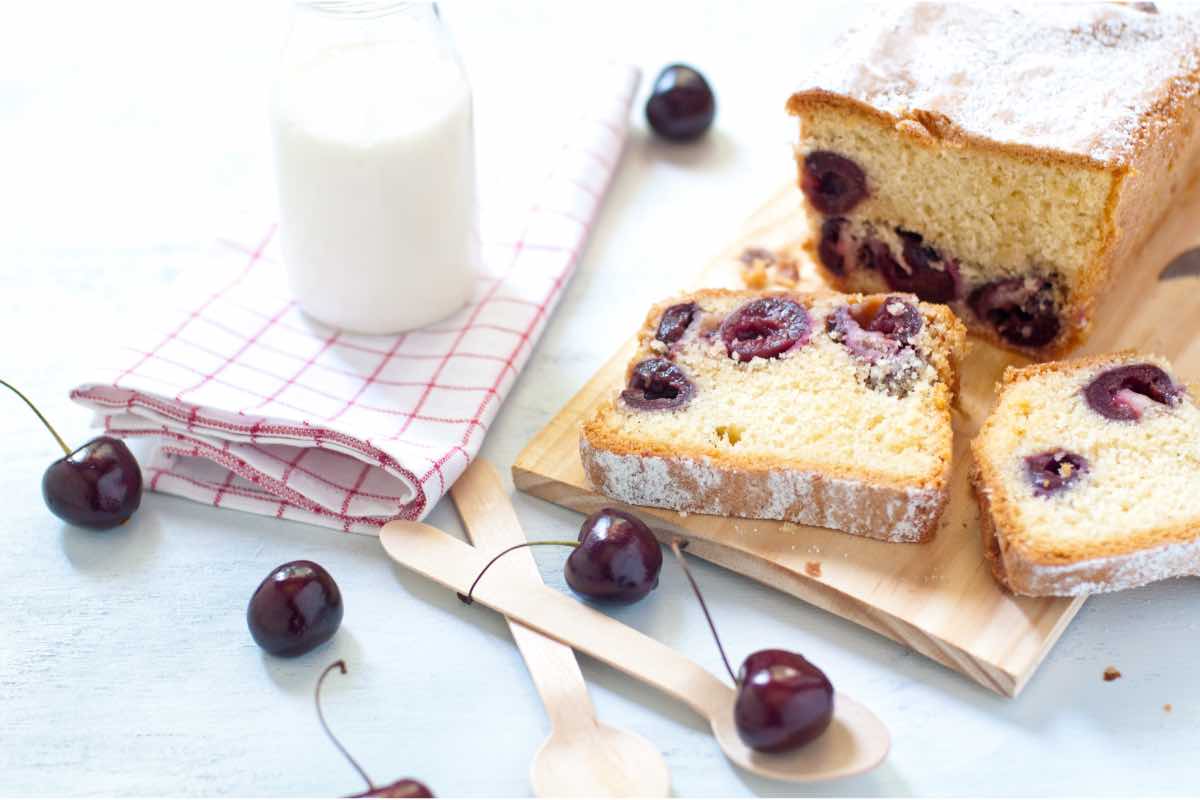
<point x="783" y="700"/>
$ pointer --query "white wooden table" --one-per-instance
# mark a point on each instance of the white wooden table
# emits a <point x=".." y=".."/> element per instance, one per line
<point x="131" y="137"/>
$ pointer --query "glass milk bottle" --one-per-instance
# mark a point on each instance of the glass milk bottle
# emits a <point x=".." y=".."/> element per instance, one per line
<point x="375" y="166"/>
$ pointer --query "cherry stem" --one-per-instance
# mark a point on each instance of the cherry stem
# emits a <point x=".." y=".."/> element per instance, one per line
<point x="34" y="408"/>
<point x="339" y="665"/>
<point x="468" y="599"/>
<point x="677" y="546"/>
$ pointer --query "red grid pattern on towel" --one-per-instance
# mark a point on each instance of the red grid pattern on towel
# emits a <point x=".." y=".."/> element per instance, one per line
<point x="254" y="406"/>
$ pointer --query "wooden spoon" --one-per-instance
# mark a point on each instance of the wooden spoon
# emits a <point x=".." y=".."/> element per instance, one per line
<point x="855" y="742"/>
<point x="581" y="757"/>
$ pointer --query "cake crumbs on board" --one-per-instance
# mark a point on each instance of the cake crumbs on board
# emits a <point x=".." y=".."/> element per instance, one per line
<point x="1111" y="674"/>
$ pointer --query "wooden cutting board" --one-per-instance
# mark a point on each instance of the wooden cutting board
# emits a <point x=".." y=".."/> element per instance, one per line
<point x="937" y="598"/>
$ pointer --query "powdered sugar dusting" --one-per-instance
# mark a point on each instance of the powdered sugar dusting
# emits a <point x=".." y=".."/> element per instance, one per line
<point x="1112" y="573"/>
<point x="1078" y="78"/>
<point x="808" y="498"/>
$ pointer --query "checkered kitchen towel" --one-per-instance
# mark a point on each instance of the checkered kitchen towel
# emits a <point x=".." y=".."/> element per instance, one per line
<point x="254" y="406"/>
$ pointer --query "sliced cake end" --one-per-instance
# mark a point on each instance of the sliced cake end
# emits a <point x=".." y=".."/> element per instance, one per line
<point x="1087" y="475"/>
<point x="830" y="410"/>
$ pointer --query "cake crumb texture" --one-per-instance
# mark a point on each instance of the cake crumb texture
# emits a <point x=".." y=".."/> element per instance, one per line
<point x="816" y="435"/>
<point x="1131" y="516"/>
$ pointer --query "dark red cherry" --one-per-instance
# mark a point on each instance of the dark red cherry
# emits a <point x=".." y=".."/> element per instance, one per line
<point x="681" y="106"/>
<point x="295" y="608"/>
<point x="1123" y="393"/>
<point x="97" y="486"/>
<point x="1054" y="470"/>
<point x="924" y="272"/>
<point x="831" y="249"/>
<point x="866" y="253"/>
<point x="897" y="319"/>
<point x="405" y="787"/>
<point x="658" y="385"/>
<point x="617" y="559"/>
<point x="675" y="321"/>
<point x="870" y="346"/>
<point x="1021" y="310"/>
<point x="764" y="328"/>
<point x="783" y="701"/>
<point x="832" y="183"/>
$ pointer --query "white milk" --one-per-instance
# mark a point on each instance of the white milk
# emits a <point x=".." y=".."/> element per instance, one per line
<point x="375" y="161"/>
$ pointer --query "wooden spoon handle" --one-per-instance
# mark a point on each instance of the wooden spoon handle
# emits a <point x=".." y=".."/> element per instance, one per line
<point x="454" y="564"/>
<point x="492" y="525"/>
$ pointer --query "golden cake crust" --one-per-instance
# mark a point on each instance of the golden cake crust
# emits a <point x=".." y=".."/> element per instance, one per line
<point x="1137" y="130"/>
<point x="712" y="481"/>
<point x="1032" y="566"/>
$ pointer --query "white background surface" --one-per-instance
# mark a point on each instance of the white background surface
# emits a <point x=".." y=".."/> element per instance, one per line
<point x="131" y="137"/>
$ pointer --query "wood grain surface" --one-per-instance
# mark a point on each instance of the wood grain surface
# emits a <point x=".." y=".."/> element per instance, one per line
<point x="938" y="598"/>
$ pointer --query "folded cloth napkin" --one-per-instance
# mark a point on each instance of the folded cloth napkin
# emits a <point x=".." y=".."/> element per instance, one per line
<point x="250" y="404"/>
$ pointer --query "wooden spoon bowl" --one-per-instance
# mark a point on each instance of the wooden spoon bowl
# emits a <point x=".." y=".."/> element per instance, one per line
<point x="598" y="761"/>
<point x="855" y="742"/>
<point x="581" y="757"/>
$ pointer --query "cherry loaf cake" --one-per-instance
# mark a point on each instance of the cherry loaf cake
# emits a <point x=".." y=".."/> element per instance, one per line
<point x="830" y="410"/>
<point x="1086" y="474"/>
<point x="1005" y="161"/>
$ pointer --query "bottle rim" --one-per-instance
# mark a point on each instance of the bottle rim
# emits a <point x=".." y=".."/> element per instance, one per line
<point x="363" y="9"/>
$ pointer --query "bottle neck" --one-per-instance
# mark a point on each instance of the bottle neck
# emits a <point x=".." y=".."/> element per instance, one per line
<point x="319" y="25"/>
<point x="366" y="9"/>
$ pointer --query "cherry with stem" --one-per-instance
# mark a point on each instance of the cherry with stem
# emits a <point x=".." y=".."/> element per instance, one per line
<point x="405" y="787"/>
<point x="783" y="701"/>
<point x="615" y="560"/>
<point x="97" y="485"/>
<point x="468" y="598"/>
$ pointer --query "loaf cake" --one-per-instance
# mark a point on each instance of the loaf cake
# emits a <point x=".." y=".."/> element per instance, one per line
<point x="1086" y="474"/>
<point x="1007" y="161"/>
<point x="830" y="410"/>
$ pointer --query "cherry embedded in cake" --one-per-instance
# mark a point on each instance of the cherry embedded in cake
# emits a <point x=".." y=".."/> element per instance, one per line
<point x="1086" y="474"/>
<point x="1129" y="391"/>
<point x="830" y="410"/>
<point x="1007" y="161"/>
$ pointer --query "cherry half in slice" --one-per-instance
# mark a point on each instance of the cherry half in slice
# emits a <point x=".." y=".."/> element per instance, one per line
<point x="832" y="183"/>
<point x="97" y="485"/>
<point x="894" y="325"/>
<point x="405" y="787"/>
<point x="1021" y="310"/>
<point x="674" y="323"/>
<point x="924" y="272"/>
<point x="832" y="247"/>
<point x="1125" y="393"/>
<point x="658" y="384"/>
<point x="1054" y="470"/>
<point x="765" y="328"/>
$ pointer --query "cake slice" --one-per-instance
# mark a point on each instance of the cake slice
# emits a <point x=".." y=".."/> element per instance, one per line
<point x="1088" y="476"/>
<point x="1007" y="161"/>
<point x="830" y="410"/>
